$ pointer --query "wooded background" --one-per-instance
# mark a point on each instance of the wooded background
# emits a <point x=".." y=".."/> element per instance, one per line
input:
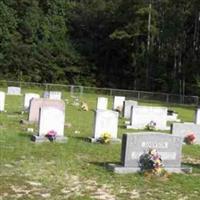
<point x="151" y="45"/>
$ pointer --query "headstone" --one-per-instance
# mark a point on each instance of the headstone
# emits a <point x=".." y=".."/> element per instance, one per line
<point x="55" y="95"/>
<point x="172" y="116"/>
<point x="105" y="121"/>
<point x="2" y="101"/>
<point x="127" y="108"/>
<point x="102" y="103"/>
<point x="134" y="145"/>
<point x="118" y="102"/>
<point x="76" y="91"/>
<point x="51" y="119"/>
<point x="14" y="91"/>
<point x="28" y="97"/>
<point x="46" y="94"/>
<point x="143" y="115"/>
<point x="197" y="121"/>
<point x="36" y="104"/>
<point x="184" y="129"/>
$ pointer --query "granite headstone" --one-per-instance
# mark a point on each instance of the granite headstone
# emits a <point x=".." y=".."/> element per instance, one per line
<point x="134" y="145"/>
<point x="36" y="104"/>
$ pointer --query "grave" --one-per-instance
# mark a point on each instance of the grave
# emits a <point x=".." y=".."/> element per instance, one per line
<point x="46" y="94"/>
<point x="118" y="102"/>
<point x="197" y="116"/>
<point x="172" y="116"/>
<point x="127" y="108"/>
<point x="14" y="91"/>
<point x="28" y="97"/>
<point x="184" y="129"/>
<point x="2" y="101"/>
<point x="36" y="104"/>
<point x="55" y="95"/>
<point x="105" y="121"/>
<point x="102" y="103"/>
<point x="143" y="115"/>
<point x="134" y="145"/>
<point x="76" y="91"/>
<point x="51" y="119"/>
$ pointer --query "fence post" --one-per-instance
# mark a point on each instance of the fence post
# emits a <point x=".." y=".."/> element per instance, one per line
<point x="138" y="95"/>
<point x="167" y="98"/>
<point x="110" y="92"/>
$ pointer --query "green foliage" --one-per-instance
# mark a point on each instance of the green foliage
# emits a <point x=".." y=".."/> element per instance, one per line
<point x="143" y="45"/>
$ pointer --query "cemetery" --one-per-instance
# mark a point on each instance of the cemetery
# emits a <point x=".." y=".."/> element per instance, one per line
<point x="67" y="152"/>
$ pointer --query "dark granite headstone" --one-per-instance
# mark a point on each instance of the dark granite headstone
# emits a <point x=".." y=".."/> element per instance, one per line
<point x="136" y="144"/>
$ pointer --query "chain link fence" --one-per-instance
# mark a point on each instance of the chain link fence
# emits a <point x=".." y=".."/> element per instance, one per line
<point x="76" y="90"/>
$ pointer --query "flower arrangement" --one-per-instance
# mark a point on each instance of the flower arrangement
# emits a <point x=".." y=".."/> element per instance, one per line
<point x="151" y="126"/>
<point x="51" y="135"/>
<point x="105" y="138"/>
<point x="190" y="138"/>
<point x="151" y="162"/>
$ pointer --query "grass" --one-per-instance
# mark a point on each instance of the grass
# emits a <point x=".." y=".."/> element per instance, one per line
<point x="76" y="170"/>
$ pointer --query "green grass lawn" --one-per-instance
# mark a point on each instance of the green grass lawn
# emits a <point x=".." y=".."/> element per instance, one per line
<point x="76" y="170"/>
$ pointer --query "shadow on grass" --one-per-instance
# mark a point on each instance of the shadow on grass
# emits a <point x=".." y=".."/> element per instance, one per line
<point x="26" y="135"/>
<point x="193" y="165"/>
<point x="81" y="138"/>
<point x="104" y="164"/>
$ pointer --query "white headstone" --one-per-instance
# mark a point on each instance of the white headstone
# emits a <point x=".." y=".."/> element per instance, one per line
<point x="28" y="97"/>
<point x="106" y="121"/>
<point x="118" y="102"/>
<point x="55" y="95"/>
<point x="46" y="94"/>
<point x="51" y="119"/>
<point x="14" y="91"/>
<point x="102" y="103"/>
<point x="2" y="101"/>
<point x="143" y="115"/>
<point x="198" y="116"/>
<point x="127" y="108"/>
<point x="184" y="129"/>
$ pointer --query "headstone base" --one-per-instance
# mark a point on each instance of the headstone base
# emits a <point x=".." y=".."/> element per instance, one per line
<point x="119" y="169"/>
<point x="96" y="140"/>
<point x="163" y="129"/>
<point x="40" y="139"/>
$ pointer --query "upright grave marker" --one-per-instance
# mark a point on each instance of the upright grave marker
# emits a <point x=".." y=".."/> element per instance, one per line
<point x="14" y="91"/>
<point x="184" y="129"/>
<point x="36" y="104"/>
<point x="55" y="95"/>
<point x="28" y="97"/>
<point x="197" y="117"/>
<point x="2" y="101"/>
<point x="102" y="103"/>
<point x="118" y="102"/>
<point x="127" y="108"/>
<point x="51" y="120"/>
<point x="134" y="145"/>
<point x="76" y="91"/>
<point x="106" y="121"/>
<point x="141" y="116"/>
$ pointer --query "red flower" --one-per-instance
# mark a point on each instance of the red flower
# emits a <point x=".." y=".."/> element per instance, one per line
<point x="190" y="138"/>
